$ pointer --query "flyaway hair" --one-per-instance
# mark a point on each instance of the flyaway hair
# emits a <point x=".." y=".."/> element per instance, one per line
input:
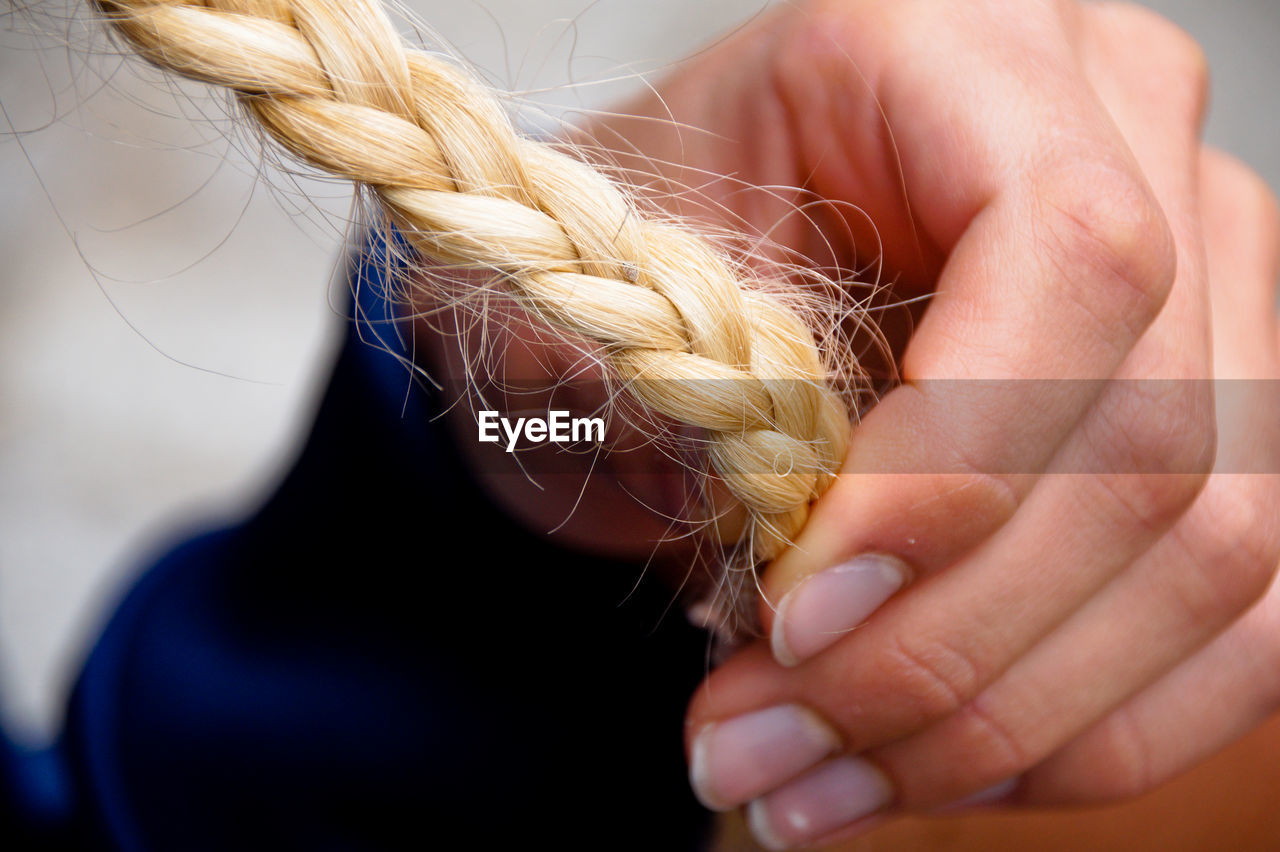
<point x="677" y="323"/>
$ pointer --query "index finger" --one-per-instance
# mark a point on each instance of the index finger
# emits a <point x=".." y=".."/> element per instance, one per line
<point x="1059" y="257"/>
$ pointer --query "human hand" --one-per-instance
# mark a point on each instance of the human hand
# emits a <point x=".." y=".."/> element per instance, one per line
<point x="1169" y="601"/>
<point x="1049" y="193"/>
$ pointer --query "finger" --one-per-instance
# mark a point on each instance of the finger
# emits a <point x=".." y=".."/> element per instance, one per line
<point x="1153" y="112"/>
<point x="1196" y="710"/>
<point x="1221" y="556"/>
<point x="912" y="666"/>
<point x="1224" y="690"/>
<point x="1059" y="258"/>
<point x="1143" y="420"/>
<point x="922" y="661"/>
<point x="1197" y="581"/>
<point x="1242" y="224"/>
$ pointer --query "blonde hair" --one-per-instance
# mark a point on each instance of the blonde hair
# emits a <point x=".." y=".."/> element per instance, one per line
<point x="681" y="326"/>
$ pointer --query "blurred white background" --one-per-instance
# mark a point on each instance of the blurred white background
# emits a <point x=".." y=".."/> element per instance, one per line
<point x="166" y="305"/>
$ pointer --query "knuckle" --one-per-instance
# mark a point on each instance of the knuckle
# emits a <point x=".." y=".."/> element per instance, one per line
<point x="1261" y="635"/>
<point x="969" y="476"/>
<point x="932" y="678"/>
<point x="1265" y="207"/>
<point x="814" y="41"/>
<point x="1234" y="547"/>
<point x="1002" y="750"/>
<point x="1169" y="427"/>
<point x="987" y="494"/>
<point x="981" y="473"/>
<point x="1246" y="201"/>
<point x="1130" y="767"/>
<point x="1104" y="220"/>
<point x="1157" y="444"/>
<point x="1194" y="70"/>
<point x="1183" y="64"/>
<point x="1150" y="502"/>
<point x="1259" y="201"/>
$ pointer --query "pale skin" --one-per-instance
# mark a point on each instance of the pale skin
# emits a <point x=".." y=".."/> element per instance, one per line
<point x="1088" y="605"/>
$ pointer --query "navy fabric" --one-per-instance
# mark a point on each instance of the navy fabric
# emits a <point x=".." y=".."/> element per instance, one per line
<point x="377" y="659"/>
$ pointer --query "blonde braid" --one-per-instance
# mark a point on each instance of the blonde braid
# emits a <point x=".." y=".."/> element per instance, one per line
<point x="335" y="84"/>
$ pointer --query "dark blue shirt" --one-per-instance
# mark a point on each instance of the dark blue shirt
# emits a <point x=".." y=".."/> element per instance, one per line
<point x="377" y="659"/>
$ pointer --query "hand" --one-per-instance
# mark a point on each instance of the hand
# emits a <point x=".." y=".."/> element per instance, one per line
<point x="1169" y="601"/>
<point x="1049" y="193"/>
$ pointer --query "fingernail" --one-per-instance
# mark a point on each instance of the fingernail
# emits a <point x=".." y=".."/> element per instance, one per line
<point x="816" y="804"/>
<point x="827" y="605"/>
<point x="741" y="758"/>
